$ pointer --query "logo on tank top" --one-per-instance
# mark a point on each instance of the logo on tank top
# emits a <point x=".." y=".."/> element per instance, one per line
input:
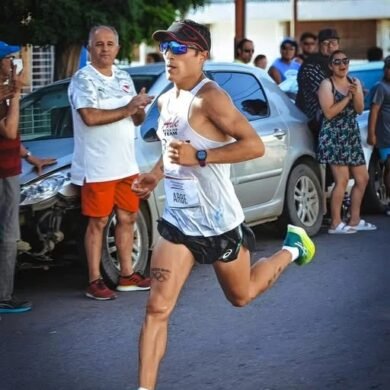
<point x="170" y="126"/>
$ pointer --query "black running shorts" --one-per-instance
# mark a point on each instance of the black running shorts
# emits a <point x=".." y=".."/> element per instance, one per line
<point x="207" y="250"/>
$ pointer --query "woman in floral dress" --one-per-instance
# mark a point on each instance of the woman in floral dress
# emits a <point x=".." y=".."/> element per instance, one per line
<point x="341" y="100"/>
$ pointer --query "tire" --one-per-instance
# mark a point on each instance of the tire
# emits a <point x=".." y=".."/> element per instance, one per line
<point x="110" y="266"/>
<point x="375" y="199"/>
<point x="303" y="203"/>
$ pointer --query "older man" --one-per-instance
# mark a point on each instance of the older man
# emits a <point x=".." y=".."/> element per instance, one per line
<point x="105" y="108"/>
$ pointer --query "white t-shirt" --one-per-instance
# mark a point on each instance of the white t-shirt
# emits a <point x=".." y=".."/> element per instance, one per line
<point x="105" y="152"/>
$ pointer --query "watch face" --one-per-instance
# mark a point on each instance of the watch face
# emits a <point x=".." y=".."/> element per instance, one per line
<point x="201" y="155"/>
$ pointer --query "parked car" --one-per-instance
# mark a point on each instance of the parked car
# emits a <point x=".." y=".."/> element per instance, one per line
<point x="285" y="185"/>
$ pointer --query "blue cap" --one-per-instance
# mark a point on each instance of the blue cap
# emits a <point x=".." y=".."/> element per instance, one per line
<point x="6" y="49"/>
<point x="290" y="41"/>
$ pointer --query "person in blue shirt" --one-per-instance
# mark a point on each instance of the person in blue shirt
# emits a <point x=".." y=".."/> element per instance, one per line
<point x="285" y="66"/>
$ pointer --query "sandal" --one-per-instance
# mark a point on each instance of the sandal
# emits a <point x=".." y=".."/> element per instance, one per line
<point x="363" y="226"/>
<point x="342" y="228"/>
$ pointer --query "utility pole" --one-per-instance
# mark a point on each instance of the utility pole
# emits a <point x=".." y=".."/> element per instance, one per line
<point x="240" y="21"/>
<point x="293" y="22"/>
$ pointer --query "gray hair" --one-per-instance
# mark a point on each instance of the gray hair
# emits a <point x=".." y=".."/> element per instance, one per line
<point x="102" y="26"/>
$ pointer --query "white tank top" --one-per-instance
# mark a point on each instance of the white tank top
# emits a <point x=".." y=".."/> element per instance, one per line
<point x="200" y="201"/>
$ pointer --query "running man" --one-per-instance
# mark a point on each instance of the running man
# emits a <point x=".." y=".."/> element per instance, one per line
<point x="202" y="133"/>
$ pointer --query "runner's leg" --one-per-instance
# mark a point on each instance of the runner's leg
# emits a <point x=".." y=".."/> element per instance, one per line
<point x="170" y="267"/>
<point x="242" y="282"/>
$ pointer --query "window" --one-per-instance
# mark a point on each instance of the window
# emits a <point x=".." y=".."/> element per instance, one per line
<point x="46" y="114"/>
<point x="245" y="91"/>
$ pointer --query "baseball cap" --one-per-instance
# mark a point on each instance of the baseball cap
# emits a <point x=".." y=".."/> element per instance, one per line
<point x="186" y="32"/>
<point x="6" y="49"/>
<point x="327" y="33"/>
<point x="290" y="41"/>
<point x="387" y="62"/>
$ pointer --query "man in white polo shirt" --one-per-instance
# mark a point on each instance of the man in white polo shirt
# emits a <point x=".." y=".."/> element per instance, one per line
<point x="105" y="109"/>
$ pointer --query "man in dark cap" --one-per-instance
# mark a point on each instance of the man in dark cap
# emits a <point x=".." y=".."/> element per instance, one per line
<point x="202" y="133"/>
<point x="11" y="152"/>
<point x="313" y="70"/>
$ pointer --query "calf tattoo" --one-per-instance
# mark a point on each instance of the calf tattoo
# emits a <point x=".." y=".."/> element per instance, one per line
<point x="160" y="274"/>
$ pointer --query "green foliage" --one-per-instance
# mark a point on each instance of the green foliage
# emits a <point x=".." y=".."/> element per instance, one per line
<point x="67" y="22"/>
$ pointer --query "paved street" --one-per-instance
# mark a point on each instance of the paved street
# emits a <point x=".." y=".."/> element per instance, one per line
<point x="323" y="326"/>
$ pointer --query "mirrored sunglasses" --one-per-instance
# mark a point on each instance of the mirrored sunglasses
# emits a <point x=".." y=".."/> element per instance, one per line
<point x="339" y="61"/>
<point x="175" y="47"/>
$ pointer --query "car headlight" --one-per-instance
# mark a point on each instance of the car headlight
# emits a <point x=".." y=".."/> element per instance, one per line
<point x="43" y="189"/>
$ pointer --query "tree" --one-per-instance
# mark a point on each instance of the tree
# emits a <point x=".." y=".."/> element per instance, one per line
<point x="65" y="24"/>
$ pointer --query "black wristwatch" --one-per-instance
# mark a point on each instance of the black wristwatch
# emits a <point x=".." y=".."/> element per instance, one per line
<point x="201" y="156"/>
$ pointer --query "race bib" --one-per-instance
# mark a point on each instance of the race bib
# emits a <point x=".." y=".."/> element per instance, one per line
<point x="181" y="193"/>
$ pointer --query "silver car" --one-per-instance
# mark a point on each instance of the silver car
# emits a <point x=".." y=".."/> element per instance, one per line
<point x="285" y="185"/>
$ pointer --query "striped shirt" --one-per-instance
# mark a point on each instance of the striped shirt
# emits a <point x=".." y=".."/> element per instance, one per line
<point x="310" y="75"/>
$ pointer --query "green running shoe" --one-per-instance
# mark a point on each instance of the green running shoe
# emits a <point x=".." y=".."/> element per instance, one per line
<point x="297" y="238"/>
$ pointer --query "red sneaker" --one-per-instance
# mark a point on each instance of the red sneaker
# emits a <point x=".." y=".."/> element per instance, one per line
<point x="99" y="291"/>
<point x="134" y="282"/>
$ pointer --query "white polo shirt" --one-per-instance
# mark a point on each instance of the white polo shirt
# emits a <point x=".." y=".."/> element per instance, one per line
<point x="105" y="152"/>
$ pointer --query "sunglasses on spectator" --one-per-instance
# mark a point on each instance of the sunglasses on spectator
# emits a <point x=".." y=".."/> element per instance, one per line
<point x="309" y="43"/>
<point x="330" y="42"/>
<point x="290" y="48"/>
<point x="8" y="58"/>
<point x="175" y="47"/>
<point x="339" y="61"/>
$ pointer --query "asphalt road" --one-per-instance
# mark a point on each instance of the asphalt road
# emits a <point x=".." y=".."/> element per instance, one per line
<point x="323" y="326"/>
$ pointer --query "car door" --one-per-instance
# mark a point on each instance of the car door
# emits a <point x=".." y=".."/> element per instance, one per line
<point x="257" y="181"/>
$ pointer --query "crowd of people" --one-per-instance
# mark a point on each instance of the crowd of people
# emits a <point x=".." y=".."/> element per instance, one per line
<point x="331" y="100"/>
<point x="208" y="136"/>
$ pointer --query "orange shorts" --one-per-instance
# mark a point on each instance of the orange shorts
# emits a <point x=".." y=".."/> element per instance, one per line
<point x="99" y="199"/>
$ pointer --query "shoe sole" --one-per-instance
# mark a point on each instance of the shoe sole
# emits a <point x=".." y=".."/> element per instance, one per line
<point x="307" y="242"/>
<point x="131" y="288"/>
<point x="99" y="298"/>
<point x="20" y="310"/>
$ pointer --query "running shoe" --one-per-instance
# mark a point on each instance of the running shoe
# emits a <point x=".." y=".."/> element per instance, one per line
<point x="14" y="305"/>
<point x="134" y="282"/>
<point x="297" y="238"/>
<point x="99" y="291"/>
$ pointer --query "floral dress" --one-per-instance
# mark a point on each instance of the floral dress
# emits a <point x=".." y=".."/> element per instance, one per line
<point x="339" y="140"/>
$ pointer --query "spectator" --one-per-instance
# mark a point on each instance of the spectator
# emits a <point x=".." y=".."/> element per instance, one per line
<point x="260" y="61"/>
<point x="310" y="75"/>
<point x="374" y="54"/>
<point x="379" y="123"/>
<point x="244" y="51"/>
<point x="105" y="108"/>
<point x="341" y="100"/>
<point x="285" y="66"/>
<point x="11" y="151"/>
<point x="308" y="46"/>
<point x="151" y="58"/>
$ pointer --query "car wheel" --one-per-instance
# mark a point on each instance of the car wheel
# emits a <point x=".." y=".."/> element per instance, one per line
<point x="303" y="204"/>
<point x="375" y="199"/>
<point x="110" y="265"/>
